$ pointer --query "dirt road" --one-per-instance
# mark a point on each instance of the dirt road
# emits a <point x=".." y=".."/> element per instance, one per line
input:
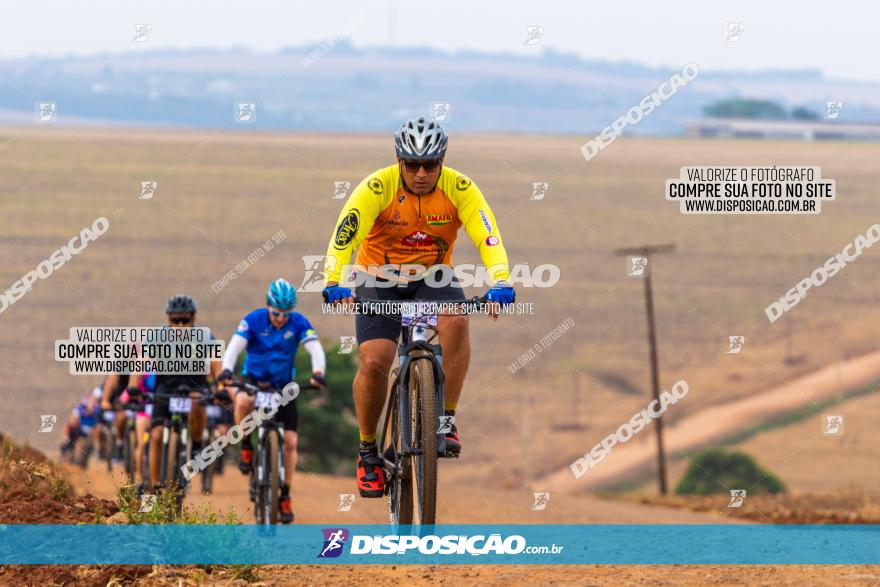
<point x="316" y="501"/>
<point x="718" y="422"/>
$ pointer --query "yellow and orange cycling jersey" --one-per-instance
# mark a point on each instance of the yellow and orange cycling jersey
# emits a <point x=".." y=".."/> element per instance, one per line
<point x="389" y="225"/>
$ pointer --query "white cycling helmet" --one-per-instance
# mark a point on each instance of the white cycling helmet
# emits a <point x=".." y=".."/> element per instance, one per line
<point x="421" y="140"/>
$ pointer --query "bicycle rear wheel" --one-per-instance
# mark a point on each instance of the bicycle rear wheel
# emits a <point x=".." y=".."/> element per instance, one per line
<point x="129" y="451"/>
<point x="145" y="461"/>
<point x="207" y="472"/>
<point x="170" y="452"/>
<point x="424" y="418"/>
<point x="109" y="437"/>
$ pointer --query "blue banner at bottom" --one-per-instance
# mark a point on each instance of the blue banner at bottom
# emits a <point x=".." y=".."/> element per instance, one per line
<point x="442" y="544"/>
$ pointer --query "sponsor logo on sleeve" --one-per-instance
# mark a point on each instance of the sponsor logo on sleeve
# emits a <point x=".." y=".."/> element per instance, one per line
<point x="243" y="326"/>
<point x="347" y="229"/>
<point x="492" y="240"/>
<point x="462" y="183"/>
<point x="376" y="186"/>
<point x="485" y="219"/>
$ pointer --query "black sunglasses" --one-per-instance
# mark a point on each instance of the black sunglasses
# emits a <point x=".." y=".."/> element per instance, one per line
<point x="414" y="166"/>
<point x="180" y="319"/>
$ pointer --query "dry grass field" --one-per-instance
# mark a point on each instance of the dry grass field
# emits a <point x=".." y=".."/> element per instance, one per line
<point x="222" y="194"/>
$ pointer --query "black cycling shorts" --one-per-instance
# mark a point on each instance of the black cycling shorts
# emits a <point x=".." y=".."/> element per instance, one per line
<point x="388" y="327"/>
<point x="160" y="408"/>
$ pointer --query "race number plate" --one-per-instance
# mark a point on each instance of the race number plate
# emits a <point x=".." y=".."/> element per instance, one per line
<point x="418" y="313"/>
<point x="214" y="412"/>
<point x="180" y="405"/>
<point x="268" y="398"/>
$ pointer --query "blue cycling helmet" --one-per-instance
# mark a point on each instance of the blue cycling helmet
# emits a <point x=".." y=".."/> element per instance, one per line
<point x="281" y="295"/>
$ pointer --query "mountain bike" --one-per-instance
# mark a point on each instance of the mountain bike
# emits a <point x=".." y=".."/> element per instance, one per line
<point x="413" y="427"/>
<point x="267" y="473"/>
<point x="176" y="439"/>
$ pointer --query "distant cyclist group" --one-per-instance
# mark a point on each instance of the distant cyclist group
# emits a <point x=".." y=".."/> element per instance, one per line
<point x="406" y="214"/>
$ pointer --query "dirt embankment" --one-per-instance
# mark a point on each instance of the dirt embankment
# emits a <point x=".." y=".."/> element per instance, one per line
<point x="34" y="490"/>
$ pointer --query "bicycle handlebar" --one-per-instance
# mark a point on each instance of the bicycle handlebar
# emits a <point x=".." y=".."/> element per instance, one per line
<point x="184" y="390"/>
<point x="366" y="305"/>
<point x="252" y="389"/>
<point x="130" y="406"/>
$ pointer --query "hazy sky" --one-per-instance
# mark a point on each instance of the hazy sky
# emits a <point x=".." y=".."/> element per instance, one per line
<point x="839" y="38"/>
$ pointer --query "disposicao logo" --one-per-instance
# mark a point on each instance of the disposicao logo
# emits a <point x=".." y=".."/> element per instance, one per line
<point x="334" y="541"/>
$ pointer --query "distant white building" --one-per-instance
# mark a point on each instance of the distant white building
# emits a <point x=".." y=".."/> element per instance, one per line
<point x="751" y="128"/>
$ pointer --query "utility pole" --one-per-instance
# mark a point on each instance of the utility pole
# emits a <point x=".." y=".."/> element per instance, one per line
<point x="638" y="268"/>
<point x="525" y="421"/>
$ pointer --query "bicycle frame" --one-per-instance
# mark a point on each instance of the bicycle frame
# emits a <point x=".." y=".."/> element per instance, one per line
<point x="272" y="425"/>
<point x="261" y="471"/>
<point x="415" y="344"/>
<point x="178" y="423"/>
<point x="403" y="445"/>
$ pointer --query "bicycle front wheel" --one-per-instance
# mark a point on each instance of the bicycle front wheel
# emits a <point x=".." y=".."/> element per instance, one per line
<point x="424" y="420"/>
<point x="269" y="483"/>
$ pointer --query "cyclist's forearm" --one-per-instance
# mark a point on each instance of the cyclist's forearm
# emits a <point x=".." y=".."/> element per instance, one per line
<point x="216" y="368"/>
<point x="316" y="352"/>
<point x="110" y="382"/>
<point x="233" y="349"/>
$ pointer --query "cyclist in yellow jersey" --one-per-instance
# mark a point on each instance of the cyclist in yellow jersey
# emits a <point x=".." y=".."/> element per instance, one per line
<point x="410" y="214"/>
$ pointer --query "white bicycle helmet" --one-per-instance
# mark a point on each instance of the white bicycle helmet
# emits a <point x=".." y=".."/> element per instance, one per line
<point x="420" y="140"/>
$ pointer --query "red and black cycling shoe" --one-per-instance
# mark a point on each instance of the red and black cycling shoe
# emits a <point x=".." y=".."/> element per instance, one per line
<point x="371" y="476"/>
<point x="453" y="443"/>
<point x="246" y="464"/>
<point x="286" y="509"/>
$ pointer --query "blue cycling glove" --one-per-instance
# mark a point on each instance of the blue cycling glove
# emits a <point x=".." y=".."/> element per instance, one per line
<point x="334" y="293"/>
<point x="501" y="293"/>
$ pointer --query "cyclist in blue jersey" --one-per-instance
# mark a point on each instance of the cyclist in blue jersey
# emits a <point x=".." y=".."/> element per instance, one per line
<point x="272" y="336"/>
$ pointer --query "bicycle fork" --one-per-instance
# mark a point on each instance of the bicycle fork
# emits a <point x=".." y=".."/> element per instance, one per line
<point x="436" y="358"/>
